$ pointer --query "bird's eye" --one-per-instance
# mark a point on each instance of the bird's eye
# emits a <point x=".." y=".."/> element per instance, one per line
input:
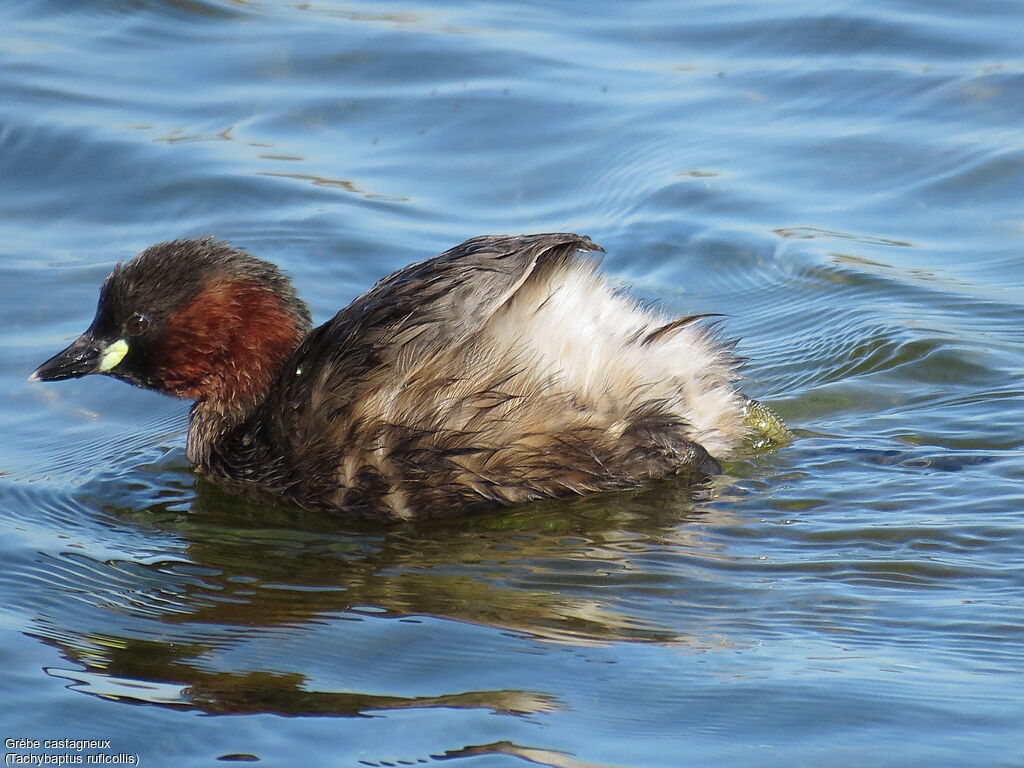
<point x="136" y="325"/>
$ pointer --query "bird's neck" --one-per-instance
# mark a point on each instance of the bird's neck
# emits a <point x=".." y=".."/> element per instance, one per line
<point x="225" y="350"/>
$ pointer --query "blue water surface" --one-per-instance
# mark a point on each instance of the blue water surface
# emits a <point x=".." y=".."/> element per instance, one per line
<point x="843" y="180"/>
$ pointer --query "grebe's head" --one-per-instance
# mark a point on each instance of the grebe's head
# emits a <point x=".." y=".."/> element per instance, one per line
<point x="190" y="318"/>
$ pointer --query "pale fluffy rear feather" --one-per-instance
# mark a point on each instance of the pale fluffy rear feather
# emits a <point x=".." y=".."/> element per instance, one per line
<point x="574" y="332"/>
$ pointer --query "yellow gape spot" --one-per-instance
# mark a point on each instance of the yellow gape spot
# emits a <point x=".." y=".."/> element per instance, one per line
<point x="115" y="354"/>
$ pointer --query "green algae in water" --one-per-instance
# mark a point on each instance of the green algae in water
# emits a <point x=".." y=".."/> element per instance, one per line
<point x="768" y="431"/>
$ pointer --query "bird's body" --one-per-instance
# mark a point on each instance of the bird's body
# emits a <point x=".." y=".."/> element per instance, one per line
<point x="501" y="371"/>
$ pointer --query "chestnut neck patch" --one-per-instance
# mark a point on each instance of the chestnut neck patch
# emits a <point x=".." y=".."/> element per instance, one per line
<point x="224" y="347"/>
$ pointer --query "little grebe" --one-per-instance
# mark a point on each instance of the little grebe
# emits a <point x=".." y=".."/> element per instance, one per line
<point x="501" y="371"/>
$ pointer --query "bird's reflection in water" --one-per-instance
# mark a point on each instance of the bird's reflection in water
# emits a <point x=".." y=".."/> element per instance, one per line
<point x="250" y="572"/>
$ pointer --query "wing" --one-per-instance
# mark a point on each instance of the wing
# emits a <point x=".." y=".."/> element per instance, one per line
<point x="436" y="304"/>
